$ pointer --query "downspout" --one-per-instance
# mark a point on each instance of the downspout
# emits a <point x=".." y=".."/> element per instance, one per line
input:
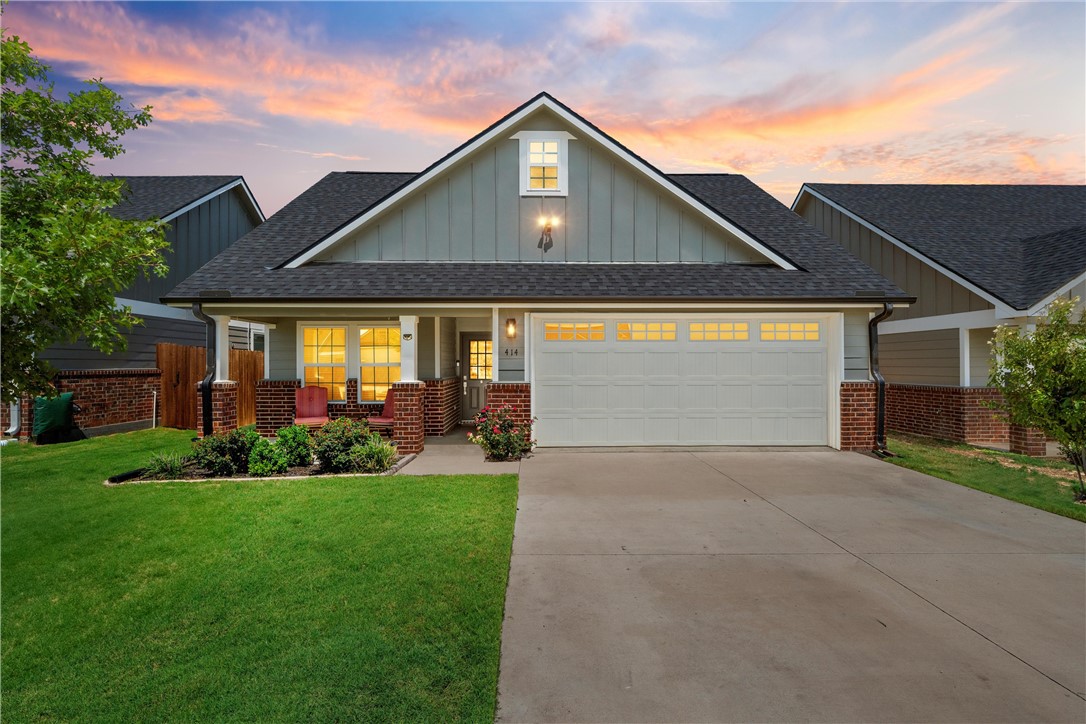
<point x="880" y="383"/>
<point x="205" y="386"/>
<point x="16" y="420"/>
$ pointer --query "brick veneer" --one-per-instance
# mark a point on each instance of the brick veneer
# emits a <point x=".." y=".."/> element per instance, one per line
<point x="104" y="397"/>
<point x="224" y="407"/>
<point x="858" y="400"/>
<point x="517" y="395"/>
<point x="441" y="406"/>
<point x="408" y="429"/>
<point x="1027" y="441"/>
<point x="959" y="414"/>
<point x="275" y="405"/>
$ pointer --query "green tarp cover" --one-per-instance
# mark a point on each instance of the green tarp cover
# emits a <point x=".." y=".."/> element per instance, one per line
<point x="52" y="413"/>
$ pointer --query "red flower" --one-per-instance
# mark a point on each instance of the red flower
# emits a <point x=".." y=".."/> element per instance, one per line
<point x="495" y="429"/>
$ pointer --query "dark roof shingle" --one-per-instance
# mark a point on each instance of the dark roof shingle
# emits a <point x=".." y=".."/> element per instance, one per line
<point x="156" y="197"/>
<point x="1019" y="243"/>
<point x="248" y="270"/>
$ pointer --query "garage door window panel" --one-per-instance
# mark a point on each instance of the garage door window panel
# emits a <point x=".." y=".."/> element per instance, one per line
<point x="646" y="331"/>
<point x="790" y="331"/>
<point x="574" y="332"/>
<point x="719" y="331"/>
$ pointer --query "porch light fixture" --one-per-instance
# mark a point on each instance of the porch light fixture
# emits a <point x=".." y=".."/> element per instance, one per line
<point x="546" y="241"/>
<point x="511" y="328"/>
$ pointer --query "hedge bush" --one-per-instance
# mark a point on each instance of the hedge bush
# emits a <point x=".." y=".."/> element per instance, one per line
<point x="266" y="459"/>
<point x="375" y="455"/>
<point x="333" y="442"/>
<point x="296" y="444"/>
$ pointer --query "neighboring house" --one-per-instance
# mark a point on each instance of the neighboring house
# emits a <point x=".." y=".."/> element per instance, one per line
<point x="975" y="257"/>
<point x="544" y="265"/>
<point x="204" y="215"/>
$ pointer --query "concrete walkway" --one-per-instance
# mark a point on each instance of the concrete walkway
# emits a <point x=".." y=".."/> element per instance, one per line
<point x="798" y="586"/>
<point x="456" y="460"/>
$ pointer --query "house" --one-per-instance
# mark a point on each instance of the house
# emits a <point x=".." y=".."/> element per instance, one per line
<point x="544" y="265"/>
<point x="975" y="257"/>
<point x="203" y="215"/>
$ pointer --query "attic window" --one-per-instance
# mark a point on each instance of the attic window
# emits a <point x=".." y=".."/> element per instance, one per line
<point x="544" y="163"/>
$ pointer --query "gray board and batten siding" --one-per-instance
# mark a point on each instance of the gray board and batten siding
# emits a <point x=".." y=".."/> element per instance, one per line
<point x="475" y="212"/>
<point x="935" y="292"/>
<point x="921" y="358"/>
<point x="194" y="238"/>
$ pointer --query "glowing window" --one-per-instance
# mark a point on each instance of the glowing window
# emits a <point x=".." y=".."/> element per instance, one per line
<point x="542" y="165"/>
<point x="719" y="331"/>
<point x="480" y="359"/>
<point x="790" y="331"/>
<point x="573" y="331"/>
<point x="324" y="360"/>
<point x="645" y="331"/>
<point x="379" y="358"/>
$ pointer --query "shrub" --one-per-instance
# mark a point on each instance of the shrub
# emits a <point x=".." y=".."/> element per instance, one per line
<point x="333" y="443"/>
<point x="166" y="466"/>
<point x="266" y="459"/>
<point x="296" y="445"/>
<point x="226" y="454"/>
<point x="500" y="436"/>
<point x="375" y="455"/>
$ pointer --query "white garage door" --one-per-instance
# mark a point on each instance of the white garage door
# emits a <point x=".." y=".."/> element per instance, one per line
<point x="704" y="381"/>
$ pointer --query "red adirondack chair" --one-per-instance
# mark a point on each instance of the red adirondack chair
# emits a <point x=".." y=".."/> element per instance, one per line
<point x="384" y="422"/>
<point x="310" y="406"/>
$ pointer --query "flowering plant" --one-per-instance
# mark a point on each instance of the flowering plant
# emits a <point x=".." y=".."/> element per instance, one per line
<point x="500" y="436"/>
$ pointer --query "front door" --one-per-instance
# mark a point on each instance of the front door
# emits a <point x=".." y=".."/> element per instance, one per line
<point x="476" y="363"/>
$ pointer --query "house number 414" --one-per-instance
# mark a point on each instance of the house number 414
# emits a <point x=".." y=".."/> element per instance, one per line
<point x="512" y="351"/>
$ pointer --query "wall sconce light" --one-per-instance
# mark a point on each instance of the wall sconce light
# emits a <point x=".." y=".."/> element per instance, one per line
<point x="408" y="337"/>
<point x="511" y="328"/>
<point x="546" y="241"/>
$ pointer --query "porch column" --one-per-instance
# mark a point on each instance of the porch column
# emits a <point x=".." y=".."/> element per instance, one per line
<point x="409" y="348"/>
<point x="437" y="348"/>
<point x="495" y="340"/>
<point x="222" y="347"/>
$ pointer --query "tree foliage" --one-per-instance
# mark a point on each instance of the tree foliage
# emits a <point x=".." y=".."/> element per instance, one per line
<point x="1042" y="376"/>
<point x="62" y="256"/>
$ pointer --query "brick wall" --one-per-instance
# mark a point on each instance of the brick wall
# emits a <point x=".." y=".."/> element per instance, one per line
<point x="105" y="397"/>
<point x="517" y="395"/>
<point x="1027" y="441"/>
<point x="959" y="414"/>
<point x="275" y="405"/>
<point x="408" y="431"/>
<point x="224" y="407"/>
<point x="352" y="408"/>
<point x="441" y="406"/>
<point x="858" y="400"/>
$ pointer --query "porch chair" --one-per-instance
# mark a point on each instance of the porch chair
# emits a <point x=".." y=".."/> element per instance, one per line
<point x="384" y="422"/>
<point x="310" y="406"/>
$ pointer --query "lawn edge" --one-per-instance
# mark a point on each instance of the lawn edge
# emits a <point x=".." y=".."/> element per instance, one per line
<point x="391" y="471"/>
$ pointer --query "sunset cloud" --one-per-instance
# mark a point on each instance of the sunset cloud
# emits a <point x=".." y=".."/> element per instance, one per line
<point x="784" y="94"/>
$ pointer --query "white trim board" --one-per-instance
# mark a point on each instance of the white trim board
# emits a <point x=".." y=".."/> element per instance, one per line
<point x="1035" y="310"/>
<point x="1002" y="309"/>
<point x="962" y="320"/>
<point x="503" y="127"/>
<point x="222" y="189"/>
<point x="150" y="309"/>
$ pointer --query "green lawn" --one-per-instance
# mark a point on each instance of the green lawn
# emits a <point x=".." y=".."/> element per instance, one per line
<point x="339" y="599"/>
<point x="983" y="470"/>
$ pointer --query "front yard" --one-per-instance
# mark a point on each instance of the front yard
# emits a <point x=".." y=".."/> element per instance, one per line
<point x="374" y="598"/>
<point x="1040" y="483"/>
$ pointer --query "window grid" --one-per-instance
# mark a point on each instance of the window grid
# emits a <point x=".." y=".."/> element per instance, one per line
<point x="719" y="331"/>
<point x="480" y="359"/>
<point x="790" y="331"/>
<point x="379" y="356"/>
<point x="646" y="331"/>
<point x="573" y="332"/>
<point x="543" y="165"/>
<point x="324" y="358"/>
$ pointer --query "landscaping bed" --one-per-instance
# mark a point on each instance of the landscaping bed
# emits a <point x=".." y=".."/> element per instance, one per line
<point x="1043" y="483"/>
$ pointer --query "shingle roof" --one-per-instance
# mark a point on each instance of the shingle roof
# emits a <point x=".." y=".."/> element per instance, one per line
<point x="156" y="197"/>
<point x="1019" y="243"/>
<point x="247" y="270"/>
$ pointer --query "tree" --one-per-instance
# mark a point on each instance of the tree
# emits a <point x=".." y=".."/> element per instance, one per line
<point x="1042" y="376"/>
<point x="62" y="256"/>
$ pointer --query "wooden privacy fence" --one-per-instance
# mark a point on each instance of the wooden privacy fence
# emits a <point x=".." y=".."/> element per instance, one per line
<point x="182" y="369"/>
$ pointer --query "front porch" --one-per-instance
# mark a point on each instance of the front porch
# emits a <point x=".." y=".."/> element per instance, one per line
<point x="441" y="366"/>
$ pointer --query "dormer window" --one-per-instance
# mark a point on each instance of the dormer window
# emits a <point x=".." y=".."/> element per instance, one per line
<point x="544" y="163"/>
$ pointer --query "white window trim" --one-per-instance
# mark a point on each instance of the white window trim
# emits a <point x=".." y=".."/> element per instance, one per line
<point x="354" y="354"/>
<point x="563" y="138"/>
<point x="346" y="364"/>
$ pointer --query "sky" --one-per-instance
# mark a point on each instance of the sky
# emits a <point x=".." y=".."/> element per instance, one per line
<point x="878" y="92"/>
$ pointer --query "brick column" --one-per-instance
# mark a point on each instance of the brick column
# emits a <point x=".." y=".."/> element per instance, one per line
<point x="408" y="429"/>
<point x="441" y="406"/>
<point x="224" y="407"/>
<point x="275" y="400"/>
<point x="858" y="416"/>
<point x="1028" y="441"/>
<point x="517" y="395"/>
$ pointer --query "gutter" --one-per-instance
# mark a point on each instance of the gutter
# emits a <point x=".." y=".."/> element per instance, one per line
<point x="205" y="384"/>
<point x="880" y="383"/>
<point x="16" y="421"/>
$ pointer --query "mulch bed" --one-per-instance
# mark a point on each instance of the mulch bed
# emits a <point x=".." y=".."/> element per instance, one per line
<point x="194" y="473"/>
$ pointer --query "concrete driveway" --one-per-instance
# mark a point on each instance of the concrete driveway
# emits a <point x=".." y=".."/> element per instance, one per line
<point x="785" y="586"/>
